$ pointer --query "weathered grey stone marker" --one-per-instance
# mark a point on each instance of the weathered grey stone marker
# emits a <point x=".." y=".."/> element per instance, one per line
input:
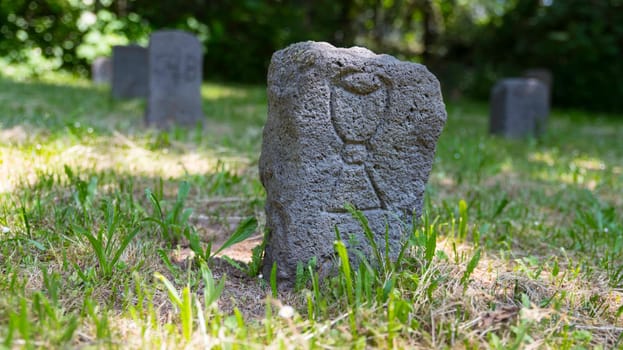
<point x="129" y="72"/>
<point x="175" y="73"/>
<point x="101" y="70"/>
<point x="519" y="107"/>
<point x="546" y="77"/>
<point x="344" y="125"/>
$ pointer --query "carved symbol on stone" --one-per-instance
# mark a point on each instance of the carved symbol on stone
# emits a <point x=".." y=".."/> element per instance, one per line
<point x="176" y="69"/>
<point x="358" y="103"/>
<point x="167" y="67"/>
<point x="191" y="68"/>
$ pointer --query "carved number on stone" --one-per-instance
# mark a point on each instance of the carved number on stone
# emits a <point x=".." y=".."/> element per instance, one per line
<point x="167" y="67"/>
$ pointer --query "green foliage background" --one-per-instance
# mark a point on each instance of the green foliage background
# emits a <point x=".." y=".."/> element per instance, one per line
<point x="468" y="44"/>
<point x="580" y="41"/>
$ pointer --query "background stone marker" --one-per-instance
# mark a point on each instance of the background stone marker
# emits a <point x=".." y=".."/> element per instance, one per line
<point x="101" y="70"/>
<point x="344" y="125"/>
<point x="518" y="107"/>
<point x="129" y="72"/>
<point x="175" y="74"/>
<point x="544" y="76"/>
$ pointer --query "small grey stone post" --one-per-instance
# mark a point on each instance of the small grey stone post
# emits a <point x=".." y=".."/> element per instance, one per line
<point x="545" y="76"/>
<point x="519" y="107"/>
<point x="175" y="75"/>
<point x="101" y="70"/>
<point x="129" y="72"/>
<point x="344" y="126"/>
<point x="541" y="74"/>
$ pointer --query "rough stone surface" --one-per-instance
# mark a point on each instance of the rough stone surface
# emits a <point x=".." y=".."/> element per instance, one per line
<point x="101" y="70"/>
<point x="519" y="107"/>
<point x="129" y="72"/>
<point x="175" y="72"/>
<point x="344" y="125"/>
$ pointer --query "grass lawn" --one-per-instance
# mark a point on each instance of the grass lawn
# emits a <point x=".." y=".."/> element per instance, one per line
<point x="109" y="233"/>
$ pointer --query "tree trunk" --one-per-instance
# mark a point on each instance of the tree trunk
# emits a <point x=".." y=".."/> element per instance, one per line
<point x="345" y="36"/>
<point x="430" y="27"/>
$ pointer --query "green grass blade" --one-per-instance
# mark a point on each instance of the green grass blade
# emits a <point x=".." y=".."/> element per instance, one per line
<point x="471" y="266"/>
<point x="155" y="202"/>
<point x="112" y="222"/>
<point x="367" y="231"/>
<point x="463" y="218"/>
<point x="212" y="292"/>
<point x="183" y="190"/>
<point x="70" y="329"/>
<point x="26" y="221"/>
<point x="245" y="229"/>
<point x="347" y="276"/>
<point x="173" y="295"/>
<point x="98" y="248"/>
<point x="123" y="246"/>
<point x="24" y="324"/>
<point x="273" y="280"/>
<point x="201" y="322"/>
<point x="165" y="259"/>
<point x="186" y="313"/>
<point x="431" y="244"/>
